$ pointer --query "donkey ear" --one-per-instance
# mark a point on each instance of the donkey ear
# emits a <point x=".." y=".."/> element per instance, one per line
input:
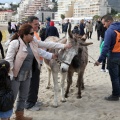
<point x="84" y="37"/>
<point x="86" y="44"/>
<point x="69" y="31"/>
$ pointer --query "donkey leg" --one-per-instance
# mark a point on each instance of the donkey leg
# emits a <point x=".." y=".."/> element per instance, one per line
<point x="63" y="76"/>
<point x="69" y="82"/>
<point x="49" y="76"/>
<point x="55" y="81"/>
<point x="79" y="81"/>
<point x="83" y="87"/>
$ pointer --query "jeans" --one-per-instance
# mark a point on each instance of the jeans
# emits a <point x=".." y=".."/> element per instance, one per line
<point x="104" y="63"/>
<point x="114" y="72"/>
<point x="21" y="89"/>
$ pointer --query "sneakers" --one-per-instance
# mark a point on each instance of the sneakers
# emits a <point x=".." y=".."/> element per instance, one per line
<point x="112" y="98"/>
<point x="106" y="70"/>
<point x="102" y="70"/>
<point x="39" y="103"/>
<point x="34" y="108"/>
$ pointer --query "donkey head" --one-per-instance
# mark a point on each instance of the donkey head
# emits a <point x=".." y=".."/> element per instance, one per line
<point x="78" y="42"/>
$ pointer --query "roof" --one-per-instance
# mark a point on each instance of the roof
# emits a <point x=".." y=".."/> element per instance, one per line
<point x="7" y="11"/>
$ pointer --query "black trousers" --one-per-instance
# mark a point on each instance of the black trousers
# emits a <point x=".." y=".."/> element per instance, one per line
<point x="2" y="51"/>
<point x="34" y="85"/>
<point x="89" y="34"/>
<point x="98" y="34"/>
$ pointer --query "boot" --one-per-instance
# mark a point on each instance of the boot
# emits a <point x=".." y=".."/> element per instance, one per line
<point x="20" y="116"/>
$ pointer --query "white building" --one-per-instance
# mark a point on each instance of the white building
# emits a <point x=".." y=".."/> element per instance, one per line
<point x="65" y="7"/>
<point x="30" y="7"/>
<point x="5" y="15"/>
<point x="82" y="8"/>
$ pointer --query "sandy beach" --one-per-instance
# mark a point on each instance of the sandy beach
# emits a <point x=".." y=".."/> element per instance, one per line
<point x="91" y="106"/>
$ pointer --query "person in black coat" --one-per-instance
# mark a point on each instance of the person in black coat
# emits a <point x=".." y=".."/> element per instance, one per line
<point x="1" y="47"/>
<point x="66" y="27"/>
<point x="52" y="30"/>
<point x="82" y="26"/>
<point x="98" y="27"/>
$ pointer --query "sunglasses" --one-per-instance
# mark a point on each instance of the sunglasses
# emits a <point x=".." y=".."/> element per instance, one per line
<point x="32" y="33"/>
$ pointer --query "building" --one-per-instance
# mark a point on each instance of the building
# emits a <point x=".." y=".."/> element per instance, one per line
<point x="32" y="7"/>
<point x="65" y="7"/>
<point x="89" y="8"/>
<point x="115" y="4"/>
<point x="42" y="15"/>
<point x="82" y="8"/>
<point x="5" y="15"/>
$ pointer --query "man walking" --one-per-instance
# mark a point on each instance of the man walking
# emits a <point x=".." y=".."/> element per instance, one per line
<point x="97" y="27"/>
<point x="112" y="47"/>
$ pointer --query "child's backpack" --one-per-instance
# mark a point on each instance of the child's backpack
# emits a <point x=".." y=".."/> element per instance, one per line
<point x="6" y="100"/>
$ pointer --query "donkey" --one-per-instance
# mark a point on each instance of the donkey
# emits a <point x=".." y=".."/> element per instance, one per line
<point x="53" y="66"/>
<point x="78" y="63"/>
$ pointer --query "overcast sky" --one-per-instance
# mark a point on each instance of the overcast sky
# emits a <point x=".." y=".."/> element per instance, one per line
<point x="9" y="1"/>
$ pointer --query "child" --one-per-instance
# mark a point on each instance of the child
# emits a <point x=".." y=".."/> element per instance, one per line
<point x="6" y="94"/>
<point x="104" y="63"/>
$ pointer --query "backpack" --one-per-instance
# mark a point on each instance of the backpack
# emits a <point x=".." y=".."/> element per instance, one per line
<point x="42" y="33"/>
<point x="7" y="44"/>
<point x="116" y="47"/>
<point x="6" y="100"/>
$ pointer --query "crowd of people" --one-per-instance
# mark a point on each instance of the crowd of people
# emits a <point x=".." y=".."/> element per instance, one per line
<point x="20" y="68"/>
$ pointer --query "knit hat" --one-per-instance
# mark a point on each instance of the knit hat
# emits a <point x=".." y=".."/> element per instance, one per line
<point x="51" y="23"/>
<point x="48" y="19"/>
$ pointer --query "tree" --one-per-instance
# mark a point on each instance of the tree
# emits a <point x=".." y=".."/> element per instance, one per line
<point x="96" y="17"/>
<point x="14" y="6"/>
<point x="55" y="9"/>
<point x="113" y="12"/>
<point x="62" y="16"/>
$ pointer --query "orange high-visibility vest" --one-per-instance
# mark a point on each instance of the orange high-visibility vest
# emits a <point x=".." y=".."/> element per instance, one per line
<point x="117" y="44"/>
<point x="38" y="38"/>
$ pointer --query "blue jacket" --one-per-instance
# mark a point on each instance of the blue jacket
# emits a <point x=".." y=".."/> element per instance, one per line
<point x="52" y="31"/>
<point x="109" y="42"/>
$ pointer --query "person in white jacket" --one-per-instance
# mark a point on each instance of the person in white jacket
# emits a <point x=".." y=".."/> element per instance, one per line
<point x="22" y="53"/>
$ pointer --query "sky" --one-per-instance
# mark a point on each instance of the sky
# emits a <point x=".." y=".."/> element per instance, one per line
<point x="9" y="1"/>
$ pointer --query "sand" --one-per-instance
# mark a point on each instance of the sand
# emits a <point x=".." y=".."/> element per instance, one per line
<point x="91" y="106"/>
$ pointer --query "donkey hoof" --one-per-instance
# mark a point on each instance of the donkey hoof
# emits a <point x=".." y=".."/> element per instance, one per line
<point x="66" y="96"/>
<point x="54" y="106"/>
<point x="78" y="97"/>
<point x="48" y="87"/>
<point x="63" y="101"/>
